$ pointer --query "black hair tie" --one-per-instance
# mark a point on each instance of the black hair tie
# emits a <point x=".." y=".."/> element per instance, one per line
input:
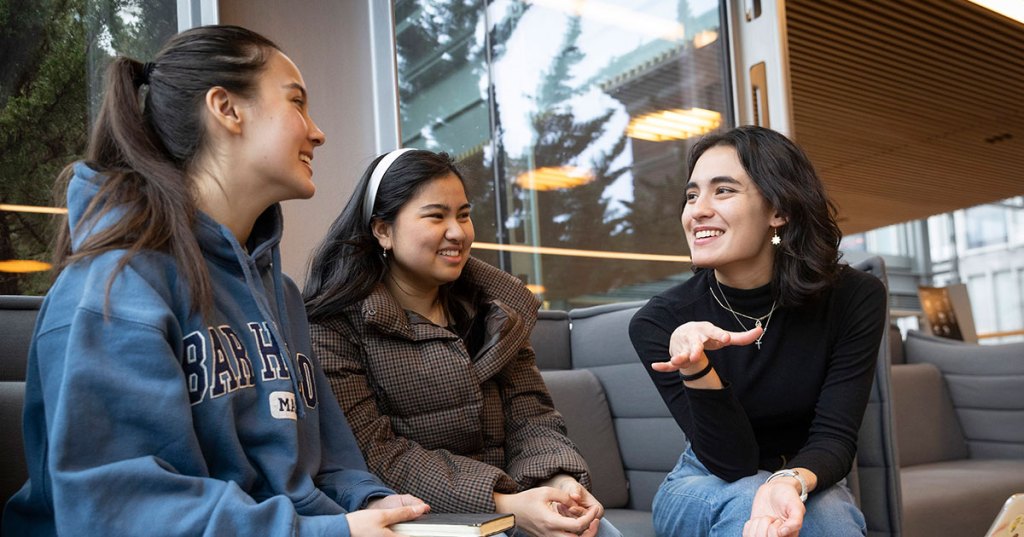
<point x="147" y="70"/>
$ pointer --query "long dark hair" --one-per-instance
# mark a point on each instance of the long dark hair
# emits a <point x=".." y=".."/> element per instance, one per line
<point x="348" y="264"/>
<point x="147" y="139"/>
<point x="806" y="262"/>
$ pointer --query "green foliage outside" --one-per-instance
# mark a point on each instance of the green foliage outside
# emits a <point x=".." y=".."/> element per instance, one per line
<point x="52" y="56"/>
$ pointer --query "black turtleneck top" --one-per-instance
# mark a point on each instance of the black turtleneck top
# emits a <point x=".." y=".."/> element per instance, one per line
<point x="800" y="396"/>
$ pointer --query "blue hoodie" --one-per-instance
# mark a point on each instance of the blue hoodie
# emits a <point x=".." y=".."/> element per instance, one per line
<point x="147" y="418"/>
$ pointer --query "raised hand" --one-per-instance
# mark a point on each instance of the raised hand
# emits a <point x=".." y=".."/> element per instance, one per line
<point x="687" y="344"/>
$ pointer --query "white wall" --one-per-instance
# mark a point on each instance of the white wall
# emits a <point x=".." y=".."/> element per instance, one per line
<point x="330" y="42"/>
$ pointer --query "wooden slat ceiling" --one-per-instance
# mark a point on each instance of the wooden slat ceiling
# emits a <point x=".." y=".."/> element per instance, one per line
<point x="907" y="108"/>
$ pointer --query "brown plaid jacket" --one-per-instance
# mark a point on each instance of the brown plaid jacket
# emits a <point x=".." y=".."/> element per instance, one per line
<point x="436" y="423"/>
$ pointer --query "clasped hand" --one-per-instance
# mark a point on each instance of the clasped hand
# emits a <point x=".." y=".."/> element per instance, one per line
<point x="687" y="344"/>
<point x="560" y="507"/>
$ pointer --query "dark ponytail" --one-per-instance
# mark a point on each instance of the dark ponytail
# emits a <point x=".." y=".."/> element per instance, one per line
<point x="148" y="137"/>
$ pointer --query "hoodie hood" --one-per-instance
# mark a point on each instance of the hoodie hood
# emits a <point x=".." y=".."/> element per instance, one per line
<point x="216" y="240"/>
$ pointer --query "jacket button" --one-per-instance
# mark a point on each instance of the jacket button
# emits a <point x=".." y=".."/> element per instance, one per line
<point x="371" y="311"/>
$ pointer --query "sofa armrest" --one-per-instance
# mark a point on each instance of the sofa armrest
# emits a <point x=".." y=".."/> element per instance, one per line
<point x="985" y="388"/>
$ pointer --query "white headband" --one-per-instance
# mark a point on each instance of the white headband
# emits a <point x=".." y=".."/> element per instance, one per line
<point x="378" y="174"/>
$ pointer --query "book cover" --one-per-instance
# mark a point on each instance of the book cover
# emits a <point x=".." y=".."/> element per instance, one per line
<point x="456" y="525"/>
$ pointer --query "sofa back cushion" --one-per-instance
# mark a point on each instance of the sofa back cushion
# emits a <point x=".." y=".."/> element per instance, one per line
<point x="13" y="471"/>
<point x="985" y="385"/>
<point x="649" y="439"/>
<point x="578" y="395"/>
<point x="550" y="340"/>
<point x="927" y="429"/>
<point x="17" y="322"/>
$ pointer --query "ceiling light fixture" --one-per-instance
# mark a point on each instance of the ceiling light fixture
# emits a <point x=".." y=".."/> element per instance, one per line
<point x="676" y="124"/>
<point x="554" y="178"/>
<point x="23" y="265"/>
<point x="1013" y="9"/>
<point x="536" y="288"/>
<point x="32" y="209"/>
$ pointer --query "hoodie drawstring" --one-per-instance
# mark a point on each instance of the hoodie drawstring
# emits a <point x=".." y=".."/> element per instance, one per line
<point x="248" y="264"/>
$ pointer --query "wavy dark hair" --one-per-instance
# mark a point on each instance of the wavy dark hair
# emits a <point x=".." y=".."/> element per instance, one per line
<point x="807" y="261"/>
<point x="347" y="264"/>
<point x="149" y="137"/>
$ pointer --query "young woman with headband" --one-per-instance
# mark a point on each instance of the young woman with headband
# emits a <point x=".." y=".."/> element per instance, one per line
<point x="428" y="351"/>
<point x="172" y="388"/>
<point x="765" y="357"/>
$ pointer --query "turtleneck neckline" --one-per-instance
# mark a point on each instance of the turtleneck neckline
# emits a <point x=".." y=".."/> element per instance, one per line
<point x="754" y="302"/>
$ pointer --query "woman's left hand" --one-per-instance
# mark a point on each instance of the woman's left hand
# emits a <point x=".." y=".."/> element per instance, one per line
<point x="777" y="511"/>
<point x="583" y="499"/>
<point x="394" y="500"/>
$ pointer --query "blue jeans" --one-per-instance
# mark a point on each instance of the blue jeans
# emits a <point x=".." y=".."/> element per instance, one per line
<point x="604" y="530"/>
<point x="693" y="501"/>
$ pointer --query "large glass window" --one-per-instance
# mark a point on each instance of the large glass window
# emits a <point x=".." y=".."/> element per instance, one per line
<point x="572" y="121"/>
<point x="54" y="54"/>
<point x="1009" y="302"/>
<point x="985" y="226"/>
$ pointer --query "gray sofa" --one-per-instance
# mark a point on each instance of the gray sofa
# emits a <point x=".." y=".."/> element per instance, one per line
<point x="625" y="431"/>
<point x="959" y="414"/>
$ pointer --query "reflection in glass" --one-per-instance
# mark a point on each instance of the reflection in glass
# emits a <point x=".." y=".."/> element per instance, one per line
<point x="50" y="83"/>
<point x="572" y="120"/>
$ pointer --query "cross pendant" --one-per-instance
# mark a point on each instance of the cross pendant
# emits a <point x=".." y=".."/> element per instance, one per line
<point x="758" y="343"/>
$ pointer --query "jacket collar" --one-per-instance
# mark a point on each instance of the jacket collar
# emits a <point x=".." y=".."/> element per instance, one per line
<point x="382" y="311"/>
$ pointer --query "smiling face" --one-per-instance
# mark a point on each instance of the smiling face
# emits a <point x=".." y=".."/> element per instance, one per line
<point x="728" y="222"/>
<point x="280" y="135"/>
<point x="428" y="243"/>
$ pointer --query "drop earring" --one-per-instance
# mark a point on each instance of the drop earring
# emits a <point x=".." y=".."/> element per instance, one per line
<point x="384" y="253"/>
<point x="776" y="240"/>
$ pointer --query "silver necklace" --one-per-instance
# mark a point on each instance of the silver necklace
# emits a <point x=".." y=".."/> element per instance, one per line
<point x="767" y="318"/>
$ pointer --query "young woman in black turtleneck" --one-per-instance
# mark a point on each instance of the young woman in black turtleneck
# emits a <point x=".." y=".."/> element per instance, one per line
<point x="766" y="356"/>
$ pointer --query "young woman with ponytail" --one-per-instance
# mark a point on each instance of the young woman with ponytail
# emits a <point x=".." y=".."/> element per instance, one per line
<point x="172" y="388"/>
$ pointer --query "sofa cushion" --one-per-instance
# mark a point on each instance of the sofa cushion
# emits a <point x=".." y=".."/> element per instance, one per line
<point x="957" y="497"/>
<point x="550" y="340"/>
<point x="581" y="400"/>
<point x="927" y="428"/>
<point x="650" y="440"/>
<point x="984" y="383"/>
<point x="600" y="335"/>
